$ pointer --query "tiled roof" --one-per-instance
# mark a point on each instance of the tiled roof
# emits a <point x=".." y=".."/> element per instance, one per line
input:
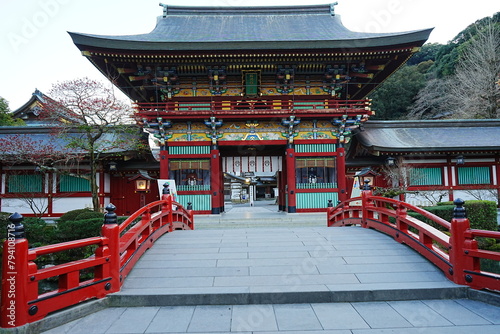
<point x="430" y="136"/>
<point x="230" y="28"/>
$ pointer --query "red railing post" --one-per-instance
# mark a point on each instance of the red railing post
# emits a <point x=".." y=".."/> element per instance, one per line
<point x="170" y="215"/>
<point x="14" y="306"/>
<point x="459" y="226"/>
<point x="111" y="230"/>
<point x="190" y="213"/>
<point x="366" y="192"/>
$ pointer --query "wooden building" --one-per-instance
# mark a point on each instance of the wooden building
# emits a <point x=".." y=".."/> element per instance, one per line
<point x="270" y="95"/>
<point x="31" y="187"/>
<point x="434" y="160"/>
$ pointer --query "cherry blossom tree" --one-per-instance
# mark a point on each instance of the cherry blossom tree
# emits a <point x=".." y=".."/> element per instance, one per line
<point x="93" y="122"/>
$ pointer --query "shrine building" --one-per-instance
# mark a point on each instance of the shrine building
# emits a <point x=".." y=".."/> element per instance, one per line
<point x="262" y="96"/>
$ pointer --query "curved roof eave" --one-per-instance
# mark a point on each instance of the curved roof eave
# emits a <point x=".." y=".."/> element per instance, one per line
<point x="114" y="43"/>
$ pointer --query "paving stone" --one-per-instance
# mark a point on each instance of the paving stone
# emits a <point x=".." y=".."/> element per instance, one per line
<point x="253" y="318"/>
<point x="339" y="316"/>
<point x="296" y="317"/>
<point x="210" y="319"/>
<point x="171" y="319"/>
<point x="456" y="313"/>
<point x="419" y="314"/>
<point x="133" y="320"/>
<point x="489" y="312"/>
<point x="381" y="315"/>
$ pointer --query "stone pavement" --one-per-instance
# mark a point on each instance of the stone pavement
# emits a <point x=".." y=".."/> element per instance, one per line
<point x="292" y="274"/>
<point x="416" y="316"/>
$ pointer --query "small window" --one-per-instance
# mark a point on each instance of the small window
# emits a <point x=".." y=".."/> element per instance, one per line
<point x="73" y="184"/>
<point x="28" y="183"/>
<point x="313" y="172"/>
<point x="474" y="175"/>
<point x="426" y="177"/>
<point x="190" y="174"/>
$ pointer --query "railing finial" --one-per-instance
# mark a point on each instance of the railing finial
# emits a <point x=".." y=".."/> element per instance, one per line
<point x="330" y="203"/>
<point x="18" y="229"/>
<point x="110" y="217"/>
<point x="459" y="210"/>
<point x="166" y="189"/>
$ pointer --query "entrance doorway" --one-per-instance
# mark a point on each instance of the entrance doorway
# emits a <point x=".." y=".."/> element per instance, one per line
<point x="252" y="173"/>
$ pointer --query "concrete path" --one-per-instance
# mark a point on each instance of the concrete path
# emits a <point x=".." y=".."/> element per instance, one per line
<point x="417" y="316"/>
<point x="280" y="265"/>
<point x="290" y="275"/>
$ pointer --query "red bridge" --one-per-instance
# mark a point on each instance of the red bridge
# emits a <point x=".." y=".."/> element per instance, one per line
<point x="454" y="251"/>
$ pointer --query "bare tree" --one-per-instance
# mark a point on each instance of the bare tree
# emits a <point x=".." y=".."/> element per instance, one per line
<point x="432" y="101"/>
<point x="474" y="92"/>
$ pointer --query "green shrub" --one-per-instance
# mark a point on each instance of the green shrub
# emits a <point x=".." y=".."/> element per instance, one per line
<point x="4" y="221"/>
<point x="89" y="215"/>
<point x="38" y="232"/>
<point x="68" y="230"/>
<point x="71" y="215"/>
<point x="482" y="214"/>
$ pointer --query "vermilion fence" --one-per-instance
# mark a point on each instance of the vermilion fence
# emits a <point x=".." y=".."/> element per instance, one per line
<point x="454" y="251"/>
<point x="239" y="107"/>
<point x="117" y="250"/>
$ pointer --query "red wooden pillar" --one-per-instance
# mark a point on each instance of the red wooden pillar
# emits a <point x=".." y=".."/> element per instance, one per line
<point x="497" y="169"/>
<point x="341" y="175"/>
<point x="451" y="179"/>
<point x="221" y="180"/>
<point x="215" y="184"/>
<point x="53" y="178"/>
<point x="458" y="241"/>
<point x="290" y="180"/>
<point x="102" y="188"/>
<point x="14" y="305"/>
<point x="164" y="164"/>
<point x="111" y="230"/>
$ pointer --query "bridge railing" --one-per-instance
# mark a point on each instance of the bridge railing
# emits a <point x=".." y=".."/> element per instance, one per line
<point x="453" y="248"/>
<point x="116" y="251"/>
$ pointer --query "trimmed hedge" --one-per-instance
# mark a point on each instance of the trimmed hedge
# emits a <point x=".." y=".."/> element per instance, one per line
<point x="68" y="230"/>
<point x="73" y="214"/>
<point x="482" y="214"/>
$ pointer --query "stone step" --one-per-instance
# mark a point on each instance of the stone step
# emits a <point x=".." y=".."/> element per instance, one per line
<point x="433" y="292"/>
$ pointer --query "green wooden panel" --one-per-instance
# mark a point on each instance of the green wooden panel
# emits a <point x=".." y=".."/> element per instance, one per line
<point x="308" y="105"/>
<point x="70" y="183"/>
<point x="315" y="200"/>
<point x="316" y="185"/>
<point x="426" y="176"/>
<point x="199" y="202"/>
<point x="474" y="175"/>
<point x="197" y="187"/>
<point x="315" y="148"/>
<point x="25" y="183"/>
<point x="194" y="106"/>
<point x="189" y="149"/>
<point x="251" y="83"/>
